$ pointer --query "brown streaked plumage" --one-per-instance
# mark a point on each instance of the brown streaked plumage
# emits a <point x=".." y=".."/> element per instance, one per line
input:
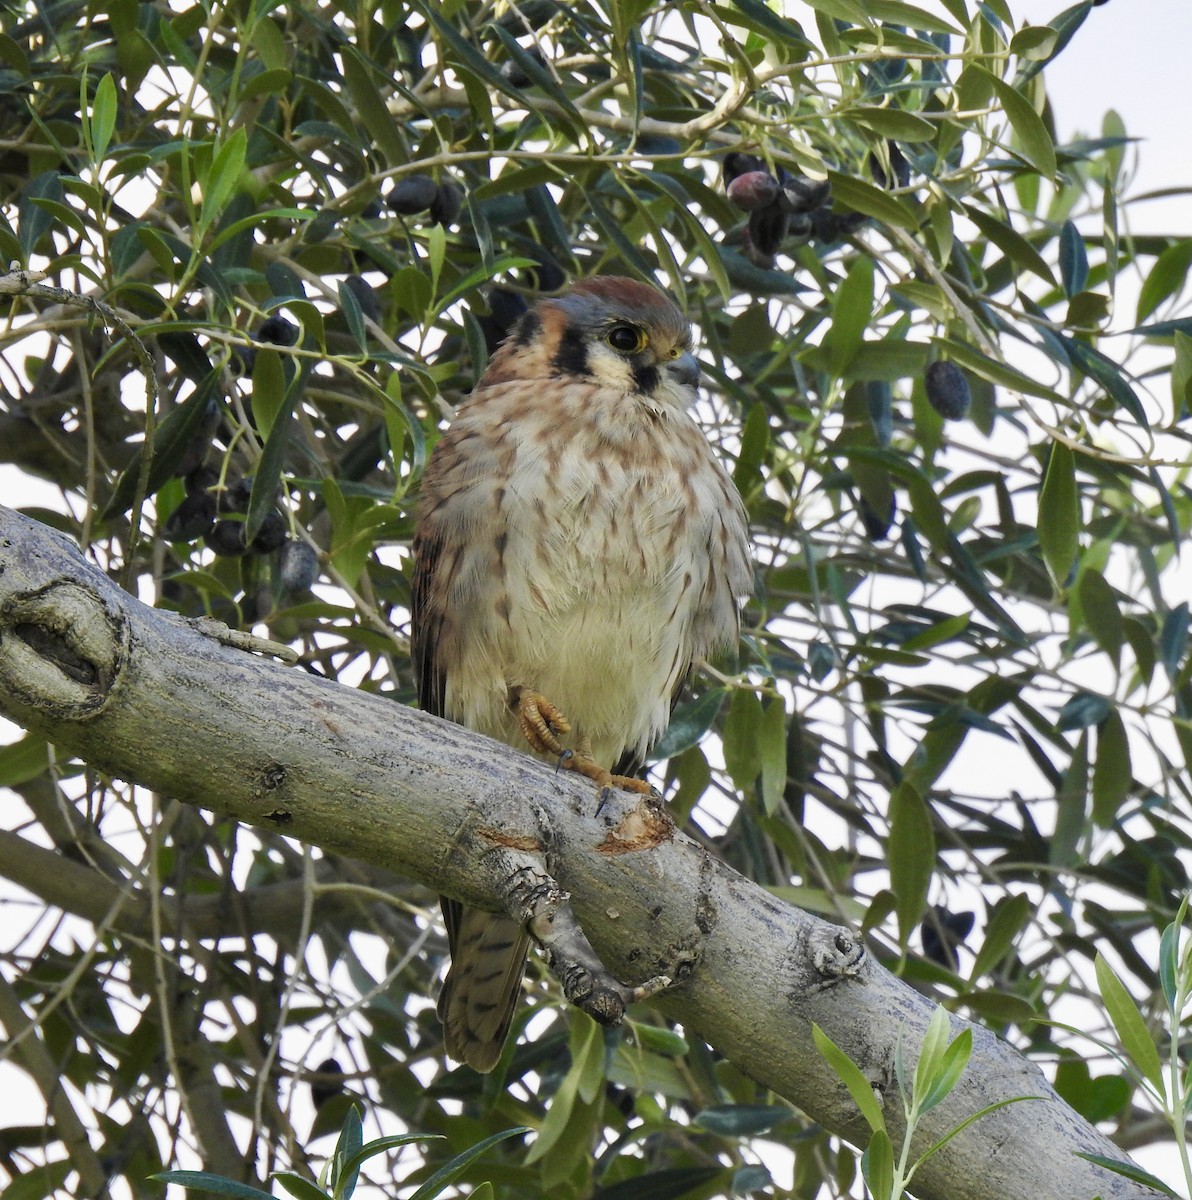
<point x="578" y="546"/>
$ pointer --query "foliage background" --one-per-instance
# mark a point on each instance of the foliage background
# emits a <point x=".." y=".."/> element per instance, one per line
<point x="965" y="682"/>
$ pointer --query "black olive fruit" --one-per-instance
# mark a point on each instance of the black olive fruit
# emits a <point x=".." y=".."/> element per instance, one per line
<point x="505" y="309"/>
<point x="447" y="205"/>
<point x="271" y="535"/>
<point x="234" y="498"/>
<point x="513" y="71"/>
<point x="321" y="1092"/>
<point x="943" y="932"/>
<point x="802" y="195"/>
<point x="947" y="390"/>
<point x="877" y="525"/>
<point x="297" y="566"/>
<point x="365" y="296"/>
<point x="412" y="194"/>
<point x="898" y="165"/>
<point x="766" y="230"/>
<point x="227" y="538"/>
<point x="736" y="163"/>
<point x="192" y="518"/>
<point x="277" y="331"/>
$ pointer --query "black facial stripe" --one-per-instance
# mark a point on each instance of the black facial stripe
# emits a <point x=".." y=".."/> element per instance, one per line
<point x="645" y="378"/>
<point x="571" y="358"/>
<point x="527" y="329"/>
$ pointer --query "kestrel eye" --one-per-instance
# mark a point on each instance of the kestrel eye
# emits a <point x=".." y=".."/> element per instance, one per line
<point x="627" y="339"/>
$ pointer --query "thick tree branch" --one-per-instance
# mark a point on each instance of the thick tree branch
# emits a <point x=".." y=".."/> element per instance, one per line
<point x="147" y="696"/>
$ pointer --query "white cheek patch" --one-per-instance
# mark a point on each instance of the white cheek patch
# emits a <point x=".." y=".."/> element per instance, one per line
<point x="609" y="369"/>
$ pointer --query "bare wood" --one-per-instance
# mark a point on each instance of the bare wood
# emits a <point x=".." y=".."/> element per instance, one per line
<point x="154" y="698"/>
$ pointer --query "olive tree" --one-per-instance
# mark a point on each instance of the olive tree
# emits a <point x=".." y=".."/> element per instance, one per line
<point x="257" y="254"/>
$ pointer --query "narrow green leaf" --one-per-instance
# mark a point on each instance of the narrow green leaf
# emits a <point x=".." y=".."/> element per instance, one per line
<point x="1010" y="242"/>
<point x="1034" y="42"/>
<point x="267" y="480"/>
<point x="258" y="217"/>
<point x="996" y="372"/>
<point x="217" y="1185"/>
<point x="103" y="117"/>
<point x="370" y="105"/>
<point x="171" y="438"/>
<point x="586" y="1042"/>
<point x="931" y="1052"/>
<point x="268" y="388"/>
<point x="741" y="1120"/>
<point x="887" y="360"/>
<point x="538" y="75"/>
<point x="347" y="1146"/>
<point x="1008" y="920"/>
<point x="1034" y="142"/>
<point x="911" y="852"/>
<point x="969" y="1120"/>
<point x="860" y="196"/>
<point x="1169" y="958"/>
<point x="783" y="30"/>
<point x="380" y="1145"/>
<point x="1059" y="513"/>
<point x="841" y="10"/>
<point x="615" y="233"/>
<point x="1101" y="613"/>
<point x="1108" y="374"/>
<point x="772" y="751"/>
<point x="1131" y="1029"/>
<point x="222" y="176"/>
<point x="1074" y="259"/>
<point x="852" y="306"/>
<point x="1112" y="771"/>
<point x="951" y="1067"/>
<point x="851" y="1076"/>
<point x="893" y="123"/>
<point x="1181" y="376"/>
<point x="742" y="730"/>
<point x="1081" y="711"/>
<point x="23" y="760"/>
<point x="451" y="1170"/>
<point x="897" y="12"/>
<point x="689" y="722"/>
<point x="298" y="1187"/>
<point x="1166" y="277"/>
<point x="662" y="1041"/>
<point x="1129" y="1170"/>
<point x="1173" y="639"/>
<point x="877" y="1165"/>
<point x="39" y="1182"/>
<point x="353" y="317"/>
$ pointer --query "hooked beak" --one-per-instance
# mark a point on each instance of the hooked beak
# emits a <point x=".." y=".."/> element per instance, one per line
<point x="684" y="370"/>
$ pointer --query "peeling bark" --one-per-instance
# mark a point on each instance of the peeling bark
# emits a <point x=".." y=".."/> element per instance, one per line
<point x="153" y="698"/>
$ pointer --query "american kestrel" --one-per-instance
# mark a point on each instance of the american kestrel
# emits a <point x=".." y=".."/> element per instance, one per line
<point x="577" y="548"/>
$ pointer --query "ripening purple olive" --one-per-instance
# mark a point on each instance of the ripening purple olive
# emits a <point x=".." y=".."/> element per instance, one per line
<point x="754" y="191"/>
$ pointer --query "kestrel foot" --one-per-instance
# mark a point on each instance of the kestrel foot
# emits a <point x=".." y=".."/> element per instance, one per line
<point x="583" y="762"/>
<point x="541" y="723"/>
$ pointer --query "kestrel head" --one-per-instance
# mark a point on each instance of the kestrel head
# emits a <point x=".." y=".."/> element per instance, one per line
<point x="610" y="331"/>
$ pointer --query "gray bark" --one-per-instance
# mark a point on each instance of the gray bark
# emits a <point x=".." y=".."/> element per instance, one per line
<point x="153" y="698"/>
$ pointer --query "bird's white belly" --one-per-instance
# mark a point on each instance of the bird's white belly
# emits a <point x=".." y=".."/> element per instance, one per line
<point x="600" y="611"/>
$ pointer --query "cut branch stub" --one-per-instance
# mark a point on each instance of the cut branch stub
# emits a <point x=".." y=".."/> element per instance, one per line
<point x="62" y="649"/>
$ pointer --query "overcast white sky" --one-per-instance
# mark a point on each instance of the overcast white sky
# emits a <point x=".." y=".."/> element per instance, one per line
<point x="1132" y="56"/>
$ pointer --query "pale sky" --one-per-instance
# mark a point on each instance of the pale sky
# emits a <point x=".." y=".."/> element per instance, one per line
<point x="1132" y="56"/>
